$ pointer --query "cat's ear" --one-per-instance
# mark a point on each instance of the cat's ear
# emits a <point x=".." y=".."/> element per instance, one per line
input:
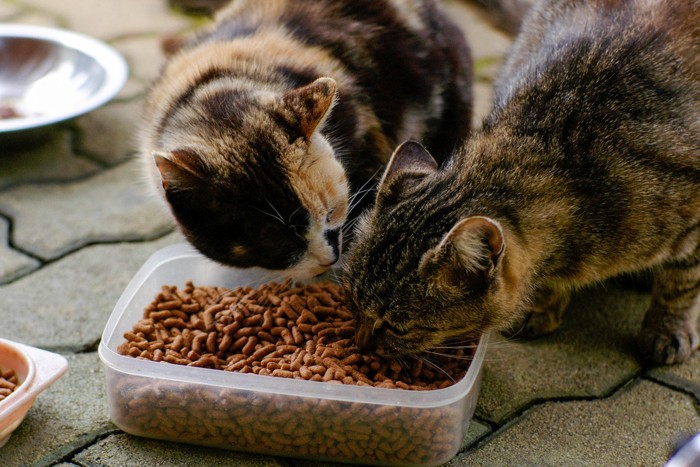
<point x="308" y="106"/>
<point x="410" y="157"/>
<point x="470" y="250"/>
<point x="180" y="170"/>
<point x="409" y="161"/>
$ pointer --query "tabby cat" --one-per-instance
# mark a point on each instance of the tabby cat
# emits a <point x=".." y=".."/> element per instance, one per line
<point x="265" y="131"/>
<point x="588" y="166"/>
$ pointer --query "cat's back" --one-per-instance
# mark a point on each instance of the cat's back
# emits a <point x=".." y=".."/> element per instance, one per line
<point x="594" y="35"/>
<point x="403" y="71"/>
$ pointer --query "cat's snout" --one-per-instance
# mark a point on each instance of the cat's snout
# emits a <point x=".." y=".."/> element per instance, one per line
<point x="333" y="239"/>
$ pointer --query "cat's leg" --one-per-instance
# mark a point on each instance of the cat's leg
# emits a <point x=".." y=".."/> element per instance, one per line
<point x="544" y="313"/>
<point x="669" y="332"/>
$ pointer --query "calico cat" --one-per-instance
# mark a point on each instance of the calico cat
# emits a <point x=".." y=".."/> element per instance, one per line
<point x="265" y="131"/>
<point x="587" y="166"/>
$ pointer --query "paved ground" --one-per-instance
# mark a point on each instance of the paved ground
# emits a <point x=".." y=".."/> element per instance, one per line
<point x="75" y="225"/>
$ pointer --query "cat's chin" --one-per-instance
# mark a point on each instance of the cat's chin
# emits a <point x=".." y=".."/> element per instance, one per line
<point x="305" y="272"/>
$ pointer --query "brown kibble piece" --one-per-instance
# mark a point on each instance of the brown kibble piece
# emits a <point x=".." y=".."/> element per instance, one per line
<point x="8" y="382"/>
<point x="246" y="326"/>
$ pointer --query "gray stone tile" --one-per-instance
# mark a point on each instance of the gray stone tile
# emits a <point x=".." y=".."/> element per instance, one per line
<point x="636" y="426"/>
<point x="133" y="88"/>
<point x="484" y="39"/>
<point x="109" y="133"/>
<point x="144" y="55"/>
<point x="66" y="304"/>
<point x="53" y="219"/>
<point x="120" y="450"/>
<point x="68" y="414"/>
<point x="51" y="158"/>
<point x="12" y="262"/>
<point x="685" y="376"/>
<point x="37" y="18"/>
<point x="591" y="354"/>
<point x="483" y="96"/>
<point x="475" y="432"/>
<point x="107" y="19"/>
<point x="9" y="10"/>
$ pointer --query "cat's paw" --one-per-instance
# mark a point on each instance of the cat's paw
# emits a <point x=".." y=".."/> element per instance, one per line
<point x="536" y="324"/>
<point x="668" y="346"/>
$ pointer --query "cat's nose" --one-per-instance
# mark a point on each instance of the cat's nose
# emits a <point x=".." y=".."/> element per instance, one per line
<point x="333" y="239"/>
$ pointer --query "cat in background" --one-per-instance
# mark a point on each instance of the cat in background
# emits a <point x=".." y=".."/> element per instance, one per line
<point x="587" y="167"/>
<point x="265" y="131"/>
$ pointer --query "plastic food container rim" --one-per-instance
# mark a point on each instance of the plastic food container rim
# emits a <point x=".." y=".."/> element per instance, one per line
<point x="47" y="368"/>
<point x="25" y="383"/>
<point x="260" y="383"/>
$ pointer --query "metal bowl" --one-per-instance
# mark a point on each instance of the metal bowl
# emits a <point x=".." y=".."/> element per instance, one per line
<point x="48" y="75"/>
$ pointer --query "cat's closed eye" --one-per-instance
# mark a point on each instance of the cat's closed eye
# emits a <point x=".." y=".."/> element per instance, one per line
<point x="397" y="330"/>
<point x="329" y="216"/>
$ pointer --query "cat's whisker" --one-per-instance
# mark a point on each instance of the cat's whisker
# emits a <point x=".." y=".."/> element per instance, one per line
<point x="371" y="177"/>
<point x="405" y="367"/>
<point x="276" y="217"/>
<point x="358" y="193"/>
<point x="451" y="356"/>
<point x="292" y="214"/>
<point x="362" y="194"/>
<point x="427" y="361"/>
<point x="274" y="209"/>
<point x="362" y="191"/>
<point x="347" y="227"/>
<point x="456" y="347"/>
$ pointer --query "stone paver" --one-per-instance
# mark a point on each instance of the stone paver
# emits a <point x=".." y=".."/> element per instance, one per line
<point x="69" y="414"/>
<point x="144" y="55"/>
<point x="109" y="134"/>
<point x="9" y="12"/>
<point x="107" y="19"/>
<point x="112" y="205"/>
<point x="484" y="40"/>
<point x="590" y="355"/>
<point x="36" y="18"/>
<point x="12" y="262"/>
<point x="483" y="95"/>
<point x="66" y="304"/>
<point x="51" y="159"/>
<point x="123" y="450"/>
<point x="77" y="201"/>
<point x="633" y="427"/>
<point x="686" y="377"/>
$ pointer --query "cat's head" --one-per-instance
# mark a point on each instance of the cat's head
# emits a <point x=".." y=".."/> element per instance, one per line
<point x="252" y="182"/>
<point x="419" y="274"/>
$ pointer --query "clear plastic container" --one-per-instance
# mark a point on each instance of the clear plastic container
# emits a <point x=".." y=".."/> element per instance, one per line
<point x="36" y="370"/>
<point x="267" y="414"/>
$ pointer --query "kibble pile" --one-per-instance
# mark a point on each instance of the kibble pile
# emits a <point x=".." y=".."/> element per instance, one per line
<point x="283" y="330"/>
<point x="8" y="383"/>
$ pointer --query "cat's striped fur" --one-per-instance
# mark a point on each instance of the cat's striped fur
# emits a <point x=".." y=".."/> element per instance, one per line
<point x="258" y="157"/>
<point x="588" y="166"/>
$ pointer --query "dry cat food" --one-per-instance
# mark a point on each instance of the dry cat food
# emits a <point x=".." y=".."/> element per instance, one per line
<point x="8" y="383"/>
<point x="302" y="332"/>
<point x="7" y="111"/>
<point x="290" y="332"/>
<point x="286" y="425"/>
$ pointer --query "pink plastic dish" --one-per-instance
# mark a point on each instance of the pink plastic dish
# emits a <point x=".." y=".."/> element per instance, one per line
<point x="36" y="370"/>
